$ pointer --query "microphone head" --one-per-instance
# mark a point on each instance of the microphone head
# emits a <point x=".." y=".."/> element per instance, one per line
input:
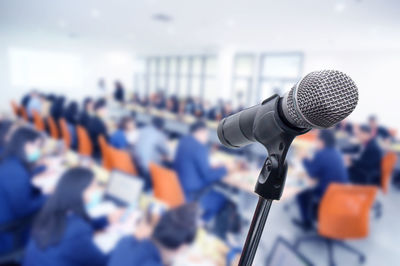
<point x="321" y="99"/>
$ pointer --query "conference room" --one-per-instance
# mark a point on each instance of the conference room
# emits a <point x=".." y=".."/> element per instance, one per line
<point x="199" y="133"/>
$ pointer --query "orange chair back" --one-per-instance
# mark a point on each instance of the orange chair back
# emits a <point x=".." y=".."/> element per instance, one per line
<point x="53" y="128"/>
<point x="310" y="136"/>
<point x="105" y="153"/>
<point x="38" y="121"/>
<point x="15" y="108"/>
<point x="166" y="185"/>
<point x="122" y="161"/>
<point x="388" y="164"/>
<point x="85" y="146"/>
<point x="344" y="211"/>
<point x="65" y="133"/>
<point x="24" y="113"/>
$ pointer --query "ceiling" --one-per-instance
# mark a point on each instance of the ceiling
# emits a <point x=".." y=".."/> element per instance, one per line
<point x="212" y="24"/>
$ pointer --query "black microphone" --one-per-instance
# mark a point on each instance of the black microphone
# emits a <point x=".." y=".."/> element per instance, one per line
<point x="320" y="100"/>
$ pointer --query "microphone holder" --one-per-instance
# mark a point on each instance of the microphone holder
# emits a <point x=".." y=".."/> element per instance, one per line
<point x="276" y="136"/>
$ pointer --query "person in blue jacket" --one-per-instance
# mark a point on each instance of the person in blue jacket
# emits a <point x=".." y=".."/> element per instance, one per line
<point x="18" y="198"/>
<point x="126" y="135"/>
<point x="195" y="172"/>
<point x="175" y="231"/>
<point x="326" y="167"/>
<point x="62" y="234"/>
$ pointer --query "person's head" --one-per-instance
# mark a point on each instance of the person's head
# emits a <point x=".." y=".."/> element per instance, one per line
<point x="127" y="124"/>
<point x="158" y="122"/>
<point x="326" y="139"/>
<point x="88" y="105"/>
<point x="100" y="107"/>
<point x="118" y="85"/>
<point x="75" y="190"/>
<point x="176" y="230"/>
<point x="5" y="127"/>
<point x="71" y="112"/>
<point x="364" y="133"/>
<point x="25" y="144"/>
<point x="199" y="131"/>
<point x="372" y="122"/>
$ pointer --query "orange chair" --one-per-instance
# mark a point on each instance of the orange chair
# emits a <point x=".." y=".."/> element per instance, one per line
<point x="310" y="136"/>
<point x="388" y="164"/>
<point x="105" y="153"/>
<point x="122" y="161"/>
<point x="15" y="108"/>
<point x="166" y="185"/>
<point x="24" y="113"/>
<point x="65" y="133"/>
<point x="343" y="213"/>
<point x="53" y="128"/>
<point x="85" y="146"/>
<point x="38" y="121"/>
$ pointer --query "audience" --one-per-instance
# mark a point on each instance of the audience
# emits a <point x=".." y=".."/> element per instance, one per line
<point x="87" y="112"/>
<point x="366" y="169"/>
<point x="97" y="126"/>
<point x="195" y="172"/>
<point x="34" y="104"/>
<point x="57" y="108"/>
<point x="71" y="114"/>
<point x="63" y="232"/>
<point x="18" y="198"/>
<point x="174" y="232"/>
<point x="326" y="167"/>
<point x="376" y="130"/>
<point x="126" y="135"/>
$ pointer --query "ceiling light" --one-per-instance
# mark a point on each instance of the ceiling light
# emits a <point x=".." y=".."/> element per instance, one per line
<point x="95" y="13"/>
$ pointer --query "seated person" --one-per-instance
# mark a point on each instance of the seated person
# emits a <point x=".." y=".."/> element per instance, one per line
<point x="87" y="112"/>
<point x="174" y="232"/>
<point x="34" y="104"/>
<point x="18" y="198"/>
<point x="151" y="146"/>
<point x="366" y="169"/>
<point x="195" y="172"/>
<point x="62" y="233"/>
<point x="126" y="135"/>
<point x="5" y="128"/>
<point x="71" y="114"/>
<point x="345" y="127"/>
<point x="97" y="126"/>
<point x="377" y="131"/>
<point x="326" y="167"/>
<point x="57" y="108"/>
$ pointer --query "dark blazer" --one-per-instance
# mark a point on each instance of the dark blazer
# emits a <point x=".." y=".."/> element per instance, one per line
<point x="96" y="128"/>
<point x="75" y="248"/>
<point x="193" y="167"/>
<point x="133" y="252"/>
<point x="18" y="198"/>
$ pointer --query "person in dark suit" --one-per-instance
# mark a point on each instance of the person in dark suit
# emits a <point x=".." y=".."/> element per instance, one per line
<point x="97" y="126"/>
<point x="175" y="231"/>
<point x="326" y="167"/>
<point x="87" y="112"/>
<point x="18" y="198"/>
<point x="57" y="108"/>
<point x="195" y="172"/>
<point x="71" y="114"/>
<point x="119" y="92"/>
<point x="62" y="233"/>
<point x="366" y="169"/>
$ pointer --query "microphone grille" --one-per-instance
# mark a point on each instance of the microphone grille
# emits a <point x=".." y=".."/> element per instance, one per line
<point x="322" y="99"/>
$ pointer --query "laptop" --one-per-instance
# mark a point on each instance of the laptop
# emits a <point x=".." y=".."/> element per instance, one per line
<point x="123" y="189"/>
<point x="284" y="254"/>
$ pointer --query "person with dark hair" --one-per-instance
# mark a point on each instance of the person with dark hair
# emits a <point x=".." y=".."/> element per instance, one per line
<point x="326" y="167"/>
<point x="57" y="108"/>
<point x="126" y="135"/>
<point x="62" y="233"/>
<point x="377" y="130"/>
<point x="195" y="172"/>
<point x="151" y="146"/>
<point x="87" y="112"/>
<point x="34" y="104"/>
<point x="175" y="231"/>
<point x="97" y="126"/>
<point x="18" y="198"/>
<point x="71" y="114"/>
<point x="366" y="169"/>
<point x="172" y="104"/>
<point x="119" y="92"/>
<point x="5" y="126"/>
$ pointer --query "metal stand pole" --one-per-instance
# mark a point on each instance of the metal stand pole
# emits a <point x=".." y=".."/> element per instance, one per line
<point x="255" y="231"/>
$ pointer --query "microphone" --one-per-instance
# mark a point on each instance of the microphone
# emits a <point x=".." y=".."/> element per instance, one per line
<point x="319" y="100"/>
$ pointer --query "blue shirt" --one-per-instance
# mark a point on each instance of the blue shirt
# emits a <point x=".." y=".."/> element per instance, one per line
<point x="34" y="104"/>
<point x="133" y="252"/>
<point x="118" y="140"/>
<point x="18" y="198"/>
<point x="150" y="146"/>
<point x="326" y="167"/>
<point x="193" y="166"/>
<point x="75" y="248"/>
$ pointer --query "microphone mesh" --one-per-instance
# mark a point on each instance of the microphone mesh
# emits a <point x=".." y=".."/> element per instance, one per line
<point x="323" y="98"/>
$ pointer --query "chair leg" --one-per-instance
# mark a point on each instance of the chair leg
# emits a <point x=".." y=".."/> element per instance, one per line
<point x="306" y="239"/>
<point x="329" y="245"/>
<point x="361" y="256"/>
<point x="377" y="207"/>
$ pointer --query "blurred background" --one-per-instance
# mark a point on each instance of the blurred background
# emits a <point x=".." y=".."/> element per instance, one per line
<point x="133" y="92"/>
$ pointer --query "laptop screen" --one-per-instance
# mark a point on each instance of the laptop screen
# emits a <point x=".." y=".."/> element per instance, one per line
<point x="124" y="187"/>
<point x="283" y="254"/>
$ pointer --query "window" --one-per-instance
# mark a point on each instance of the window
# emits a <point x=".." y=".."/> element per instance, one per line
<point x="242" y="81"/>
